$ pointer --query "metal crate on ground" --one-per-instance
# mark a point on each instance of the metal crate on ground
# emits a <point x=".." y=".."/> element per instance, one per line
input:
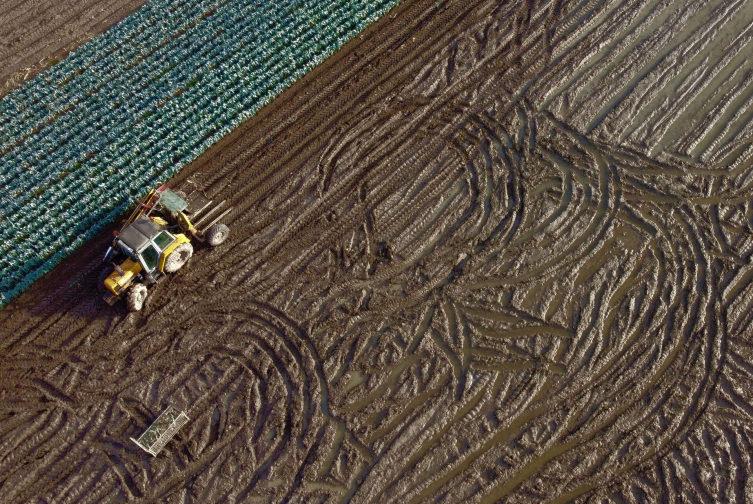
<point x="162" y="430"/>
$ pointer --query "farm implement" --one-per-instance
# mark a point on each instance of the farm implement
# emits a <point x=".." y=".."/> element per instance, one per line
<point x="161" y="431"/>
<point x="156" y="239"/>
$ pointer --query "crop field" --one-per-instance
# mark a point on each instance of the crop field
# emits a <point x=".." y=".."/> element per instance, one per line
<point x="131" y="107"/>
<point x="35" y="34"/>
<point x="486" y="252"/>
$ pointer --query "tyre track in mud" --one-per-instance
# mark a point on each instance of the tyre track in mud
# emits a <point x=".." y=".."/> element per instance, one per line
<point x="442" y="284"/>
<point x="370" y="169"/>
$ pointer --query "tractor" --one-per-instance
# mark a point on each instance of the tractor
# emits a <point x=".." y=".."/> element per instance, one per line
<point x="156" y="239"/>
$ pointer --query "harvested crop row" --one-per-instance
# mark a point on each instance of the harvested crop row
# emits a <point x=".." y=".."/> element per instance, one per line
<point x="34" y="34"/>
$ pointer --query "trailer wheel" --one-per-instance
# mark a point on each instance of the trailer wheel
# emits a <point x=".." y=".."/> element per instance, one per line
<point x="178" y="257"/>
<point x="217" y="234"/>
<point x="136" y="297"/>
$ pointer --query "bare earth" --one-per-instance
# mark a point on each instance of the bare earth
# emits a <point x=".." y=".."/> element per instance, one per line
<point x="488" y="252"/>
<point x="37" y="33"/>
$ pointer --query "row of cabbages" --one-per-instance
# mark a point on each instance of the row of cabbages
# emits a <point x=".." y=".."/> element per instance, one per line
<point x="132" y="107"/>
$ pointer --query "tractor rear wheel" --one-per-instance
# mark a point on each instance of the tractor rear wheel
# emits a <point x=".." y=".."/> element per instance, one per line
<point x="178" y="257"/>
<point x="136" y="297"/>
<point x="217" y="234"/>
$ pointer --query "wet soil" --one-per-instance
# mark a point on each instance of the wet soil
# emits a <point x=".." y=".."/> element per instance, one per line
<point x="488" y="252"/>
<point x="35" y="34"/>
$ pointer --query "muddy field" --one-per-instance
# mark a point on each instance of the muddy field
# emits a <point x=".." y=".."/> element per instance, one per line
<point x="488" y="252"/>
<point x="36" y="33"/>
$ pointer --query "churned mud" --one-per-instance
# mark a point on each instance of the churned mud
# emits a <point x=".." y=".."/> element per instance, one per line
<point x="489" y="252"/>
<point x="37" y="33"/>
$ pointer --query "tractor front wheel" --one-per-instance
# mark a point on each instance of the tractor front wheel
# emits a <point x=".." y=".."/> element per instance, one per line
<point x="178" y="257"/>
<point x="136" y="297"/>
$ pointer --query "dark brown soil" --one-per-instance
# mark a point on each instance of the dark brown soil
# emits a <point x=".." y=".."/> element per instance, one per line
<point x="490" y="251"/>
<point x="35" y="34"/>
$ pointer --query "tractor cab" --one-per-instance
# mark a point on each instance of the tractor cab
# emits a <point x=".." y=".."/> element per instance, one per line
<point x="144" y="241"/>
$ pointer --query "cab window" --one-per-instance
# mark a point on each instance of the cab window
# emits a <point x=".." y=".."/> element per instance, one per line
<point x="151" y="257"/>
<point x="163" y="240"/>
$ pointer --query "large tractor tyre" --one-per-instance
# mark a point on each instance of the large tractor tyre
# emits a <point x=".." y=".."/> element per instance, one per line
<point x="136" y="297"/>
<point x="217" y="234"/>
<point x="178" y="257"/>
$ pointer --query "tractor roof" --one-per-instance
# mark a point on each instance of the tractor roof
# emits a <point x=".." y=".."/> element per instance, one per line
<point x="137" y="234"/>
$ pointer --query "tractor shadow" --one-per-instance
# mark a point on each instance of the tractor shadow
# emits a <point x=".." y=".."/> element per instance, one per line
<point x="71" y="287"/>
